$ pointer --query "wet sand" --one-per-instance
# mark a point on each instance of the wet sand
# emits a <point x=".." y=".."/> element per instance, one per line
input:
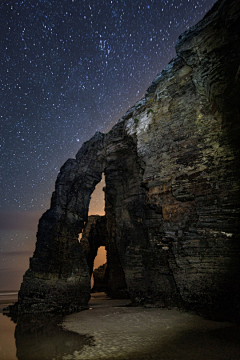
<point x="127" y="333"/>
<point x="7" y="328"/>
<point x="109" y="330"/>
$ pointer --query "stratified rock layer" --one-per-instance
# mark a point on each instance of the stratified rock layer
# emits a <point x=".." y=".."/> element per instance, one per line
<point x="172" y="195"/>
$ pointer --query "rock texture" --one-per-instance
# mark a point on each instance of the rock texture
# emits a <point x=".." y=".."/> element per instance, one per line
<point x="96" y="234"/>
<point x="172" y="198"/>
<point x="58" y="278"/>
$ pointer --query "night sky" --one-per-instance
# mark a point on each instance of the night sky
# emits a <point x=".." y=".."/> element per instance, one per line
<point x="69" y="68"/>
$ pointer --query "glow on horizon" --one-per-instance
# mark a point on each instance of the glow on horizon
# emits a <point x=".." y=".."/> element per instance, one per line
<point x="97" y="202"/>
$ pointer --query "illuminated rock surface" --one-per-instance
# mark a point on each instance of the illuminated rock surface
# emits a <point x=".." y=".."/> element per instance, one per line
<point x="172" y="195"/>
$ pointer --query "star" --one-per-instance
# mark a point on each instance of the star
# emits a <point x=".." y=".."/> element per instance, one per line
<point x="69" y="69"/>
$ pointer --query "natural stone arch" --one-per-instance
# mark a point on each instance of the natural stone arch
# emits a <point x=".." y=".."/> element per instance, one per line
<point x="58" y="277"/>
<point x="172" y="190"/>
<point x="95" y="235"/>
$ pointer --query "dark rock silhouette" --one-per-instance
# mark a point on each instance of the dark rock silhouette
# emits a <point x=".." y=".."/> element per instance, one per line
<point x="94" y="235"/>
<point x="100" y="279"/>
<point x="172" y="195"/>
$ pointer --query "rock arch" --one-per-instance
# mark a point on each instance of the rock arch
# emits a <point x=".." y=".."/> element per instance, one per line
<point x="94" y="235"/>
<point x="58" y="278"/>
<point x="171" y="167"/>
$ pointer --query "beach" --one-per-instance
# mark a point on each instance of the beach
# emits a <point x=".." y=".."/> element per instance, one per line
<point x="111" y="329"/>
<point x="7" y="327"/>
<point x="137" y="333"/>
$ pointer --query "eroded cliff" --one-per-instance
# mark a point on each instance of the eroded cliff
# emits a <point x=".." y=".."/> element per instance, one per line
<point x="172" y="195"/>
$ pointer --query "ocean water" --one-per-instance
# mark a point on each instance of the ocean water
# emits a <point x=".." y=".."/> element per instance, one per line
<point x="7" y="327"/>
<point x="8" y="296"/>
<point x="36" y="337"/>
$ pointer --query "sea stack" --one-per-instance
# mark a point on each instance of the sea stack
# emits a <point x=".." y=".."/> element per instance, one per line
<point x="172" y="194"/>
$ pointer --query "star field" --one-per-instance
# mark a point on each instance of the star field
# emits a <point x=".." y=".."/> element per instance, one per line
<point x="70" y="68"/>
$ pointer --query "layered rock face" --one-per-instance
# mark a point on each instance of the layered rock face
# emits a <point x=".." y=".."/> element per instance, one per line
<point x="58" y="278"/>
<point x="172" y="192"/>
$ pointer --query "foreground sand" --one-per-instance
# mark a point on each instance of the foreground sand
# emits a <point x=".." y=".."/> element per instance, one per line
<point x="128" y="333"/>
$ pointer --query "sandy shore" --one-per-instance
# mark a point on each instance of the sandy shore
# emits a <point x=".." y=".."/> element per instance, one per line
<point x="127" y="333"/>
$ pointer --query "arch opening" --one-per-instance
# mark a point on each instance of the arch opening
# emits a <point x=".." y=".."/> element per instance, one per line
<point x="97" y="238"/>
<point x="97" y="207"/>
<point x="96" y="204"/>
<point x="93" y="236"/>
<point x="97" y="201"/>
<point x="98" y="278"/>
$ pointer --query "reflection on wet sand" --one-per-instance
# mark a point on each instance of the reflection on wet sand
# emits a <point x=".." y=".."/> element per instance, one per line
<point x="7" y="341"/>
<point x="113" y="330"/>
<point x="40" y="337"/>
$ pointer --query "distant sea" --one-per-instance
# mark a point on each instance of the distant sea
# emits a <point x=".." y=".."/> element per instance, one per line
<point x="8" y="296"/>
